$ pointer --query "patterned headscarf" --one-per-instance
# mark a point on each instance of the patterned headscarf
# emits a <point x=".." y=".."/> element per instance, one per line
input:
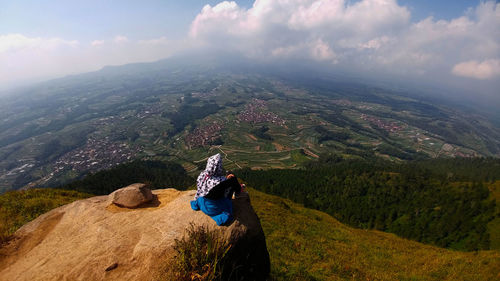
<point x="211" y="177"/>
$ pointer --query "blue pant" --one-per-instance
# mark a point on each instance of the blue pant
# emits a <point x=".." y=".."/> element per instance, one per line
<point x="220" y="210"/>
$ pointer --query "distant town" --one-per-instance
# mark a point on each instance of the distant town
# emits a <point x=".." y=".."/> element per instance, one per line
<point x="255" y="112"/>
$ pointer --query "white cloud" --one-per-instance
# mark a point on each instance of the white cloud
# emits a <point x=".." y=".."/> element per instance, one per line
<point x="365" y="16"/>
<point x="365" y="35"/>
<point x="120" y="39"/>
<point x="96" y="43"/>
<point x="321" y="51"/>
<point x="217" y="17"/>
<point x="375" y="43"/>
<point x="10" y="43"/>
<point x="287" y="24"/>
<point x="486" y="69"/>
<point x="24" y="58"/>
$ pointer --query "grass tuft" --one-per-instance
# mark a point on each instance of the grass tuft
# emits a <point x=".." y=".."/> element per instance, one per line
<point x="201" y="255"/>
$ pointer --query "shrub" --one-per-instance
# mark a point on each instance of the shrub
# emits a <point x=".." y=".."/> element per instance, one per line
<point x="201" y="255"/>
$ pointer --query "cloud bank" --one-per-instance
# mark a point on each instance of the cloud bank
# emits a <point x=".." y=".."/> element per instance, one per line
<point x="487" y="69"/>
<point x="370" y="37"/>
<point x="26" y="59"/>
<point x="365" y="36"/>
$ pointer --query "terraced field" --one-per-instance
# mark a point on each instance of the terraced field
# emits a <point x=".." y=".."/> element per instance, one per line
<point x="185" y="114"/>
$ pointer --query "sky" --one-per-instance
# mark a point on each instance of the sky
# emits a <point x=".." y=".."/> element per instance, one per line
<point x="451" y="43"/>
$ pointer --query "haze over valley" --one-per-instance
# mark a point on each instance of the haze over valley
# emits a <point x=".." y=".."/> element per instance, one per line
<point x="183" y="109"/>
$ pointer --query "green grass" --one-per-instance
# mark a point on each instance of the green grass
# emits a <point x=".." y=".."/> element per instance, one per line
<point x="306" y="244"/>
<point x="19" y="207"/>
<point x="494" y="225"/>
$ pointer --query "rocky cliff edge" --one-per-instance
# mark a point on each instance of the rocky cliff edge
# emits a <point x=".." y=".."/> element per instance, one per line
<point x="94" y="239"/>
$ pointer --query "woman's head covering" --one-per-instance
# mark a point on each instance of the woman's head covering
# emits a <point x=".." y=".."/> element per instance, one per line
<point x="211" y="177"/>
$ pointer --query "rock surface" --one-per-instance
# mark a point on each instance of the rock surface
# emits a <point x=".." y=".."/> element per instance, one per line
<point x="132" y="196"/>
<point x="93" y="240"/>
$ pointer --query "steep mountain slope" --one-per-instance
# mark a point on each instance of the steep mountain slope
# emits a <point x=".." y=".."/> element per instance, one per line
<point x="305" y="244"/>
<point x="443" y="202"/>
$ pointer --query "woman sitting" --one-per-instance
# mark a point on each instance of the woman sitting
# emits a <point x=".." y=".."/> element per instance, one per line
<point x="214" y="191"/>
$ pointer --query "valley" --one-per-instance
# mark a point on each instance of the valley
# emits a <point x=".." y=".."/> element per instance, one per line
<point x="66" y="128"/>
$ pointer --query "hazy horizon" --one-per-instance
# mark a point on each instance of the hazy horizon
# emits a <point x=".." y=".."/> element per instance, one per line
<point x="451" y="45"/>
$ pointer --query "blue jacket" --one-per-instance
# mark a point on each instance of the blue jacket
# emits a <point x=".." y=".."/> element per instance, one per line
<point x="221" y="210"/>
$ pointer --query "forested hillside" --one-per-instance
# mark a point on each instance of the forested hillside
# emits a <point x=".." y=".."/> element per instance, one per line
<point x="445" y="202"/>
<point x="156" y="174"/>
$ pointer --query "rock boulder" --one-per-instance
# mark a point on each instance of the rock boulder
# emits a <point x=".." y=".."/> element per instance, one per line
<point x="132" y="196"/>
<point x="93" y="240"/>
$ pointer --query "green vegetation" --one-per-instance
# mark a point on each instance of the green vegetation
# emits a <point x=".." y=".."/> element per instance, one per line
<point x="19" y="207"/>
<point x="156" y="174"/>
<point x="494" y="225"/>
<point x="262" y="133"/>
<point x="55" y="148"/>
<point x="429" y="201"/>
<point x="188" y="113"/>
<point x="201" y="255"/>
<point x="48" y="137"/>
<point x="444" y="202"/>
<point x="303" y="244"/>
<point x="326" y="135"/>
<point x="306" y="244"/>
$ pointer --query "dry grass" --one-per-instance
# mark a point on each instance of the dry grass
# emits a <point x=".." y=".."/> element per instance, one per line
<point x="200" y="255"/>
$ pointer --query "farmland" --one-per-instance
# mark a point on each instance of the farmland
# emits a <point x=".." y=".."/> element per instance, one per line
<point x="65" y="128"/>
